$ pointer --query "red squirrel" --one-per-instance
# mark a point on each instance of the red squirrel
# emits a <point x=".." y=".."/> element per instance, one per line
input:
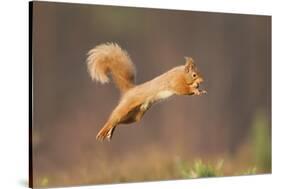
<point x="110" y="58"/>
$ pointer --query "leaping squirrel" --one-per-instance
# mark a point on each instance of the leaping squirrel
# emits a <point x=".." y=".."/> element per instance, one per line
<point x="110" y="58"/>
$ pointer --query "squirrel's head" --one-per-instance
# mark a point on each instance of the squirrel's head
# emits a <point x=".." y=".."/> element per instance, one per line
<point x="191" y="73"/>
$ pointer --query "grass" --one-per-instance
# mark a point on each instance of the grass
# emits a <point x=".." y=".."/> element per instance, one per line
<point x="252" y="157"/>
<point x="261" y="141"/>
<point x="200" y="169"/>
<point x="205" y="170"/>
<point x="154" y="169"/>
<point x="250" y="171"/>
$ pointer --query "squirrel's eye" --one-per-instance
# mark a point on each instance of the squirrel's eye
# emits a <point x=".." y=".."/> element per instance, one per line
<point x="194" y="75"/>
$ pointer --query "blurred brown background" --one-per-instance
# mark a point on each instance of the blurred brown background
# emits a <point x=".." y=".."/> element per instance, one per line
<point x="233" y="52"/>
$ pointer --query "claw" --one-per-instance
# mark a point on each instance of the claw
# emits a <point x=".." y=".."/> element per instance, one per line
<point x="105" y="133"/>
<point x="203" y="92"/>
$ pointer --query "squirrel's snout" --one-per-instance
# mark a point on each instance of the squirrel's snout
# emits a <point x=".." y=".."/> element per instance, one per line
<point x="199" y="80"/>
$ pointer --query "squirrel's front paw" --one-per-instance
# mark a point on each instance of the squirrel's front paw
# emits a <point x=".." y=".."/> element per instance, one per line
<point x="203" y="92"/>
<point x="199" y="92"/>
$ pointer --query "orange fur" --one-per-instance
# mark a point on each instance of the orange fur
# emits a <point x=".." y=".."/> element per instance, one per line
<point x="137" y="99"/>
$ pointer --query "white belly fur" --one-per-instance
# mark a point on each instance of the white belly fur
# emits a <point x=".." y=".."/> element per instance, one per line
<point x="164" y="94"/>
<point x="159" y="97"/>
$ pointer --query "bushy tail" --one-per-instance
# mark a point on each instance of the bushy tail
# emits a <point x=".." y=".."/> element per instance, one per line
<point x="107" y="59"/>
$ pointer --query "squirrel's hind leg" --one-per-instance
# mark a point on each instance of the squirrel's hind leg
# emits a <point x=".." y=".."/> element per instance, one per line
<point x="122" y="114"/>
<point x="134" y="115"/>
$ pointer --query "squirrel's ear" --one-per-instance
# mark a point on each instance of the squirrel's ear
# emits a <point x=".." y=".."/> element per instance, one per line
<point x="189" y="64"/>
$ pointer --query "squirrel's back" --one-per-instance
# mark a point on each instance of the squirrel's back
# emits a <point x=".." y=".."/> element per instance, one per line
<point x="109" y="58"/>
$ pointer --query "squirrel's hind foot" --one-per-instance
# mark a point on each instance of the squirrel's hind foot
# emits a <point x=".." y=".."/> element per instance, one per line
<point x="105" y="133"/>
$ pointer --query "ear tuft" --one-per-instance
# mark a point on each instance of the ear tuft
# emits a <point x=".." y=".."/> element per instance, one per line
<point x="188" y="60"/>
<point x="189" y="63"/>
